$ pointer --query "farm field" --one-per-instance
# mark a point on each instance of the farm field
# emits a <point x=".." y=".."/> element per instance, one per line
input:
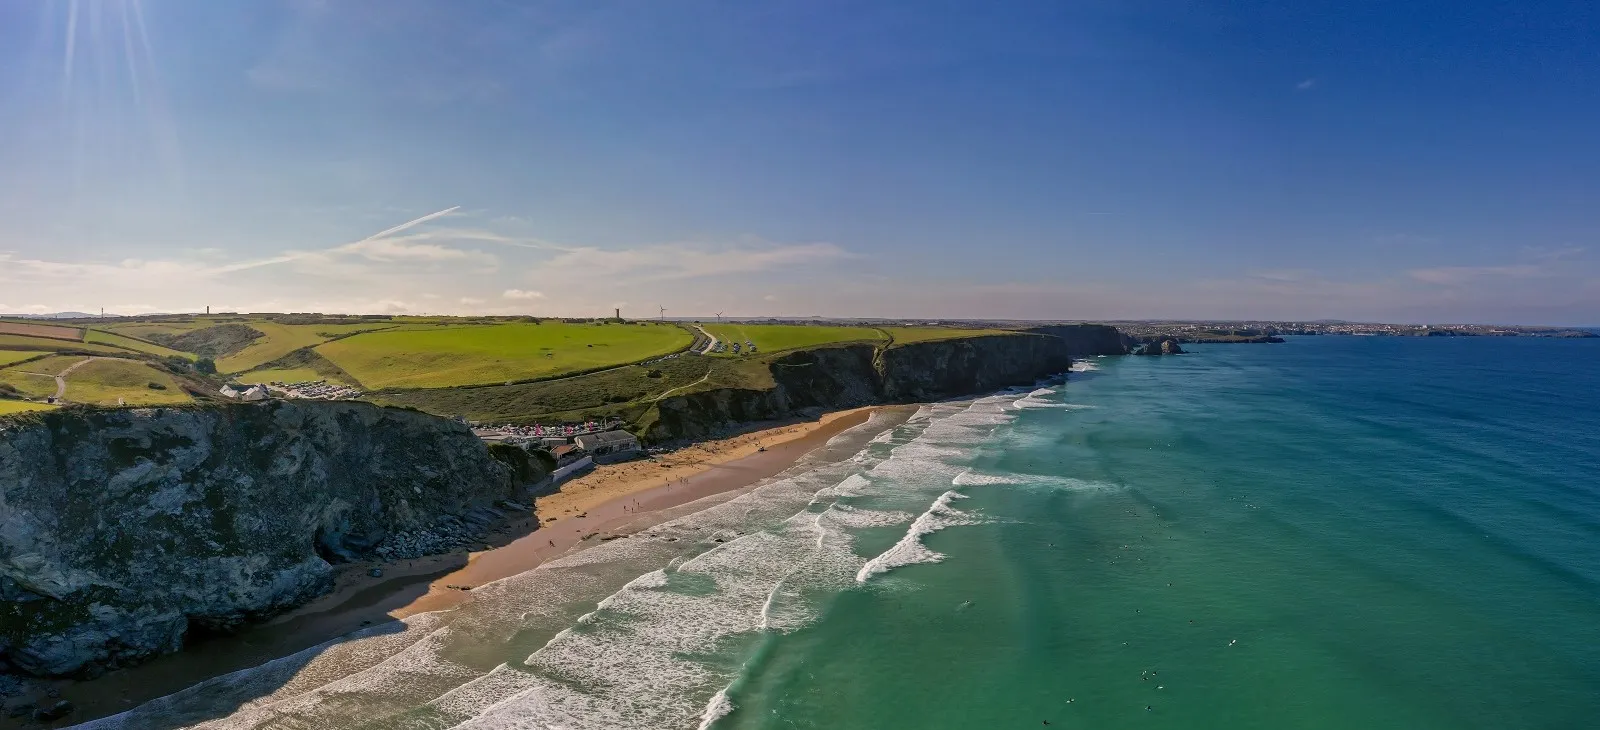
<point x="779" y="337"/>
<point x="104" y="381"/>
<point x="149" y="348"/>
<point x="439" y="357"/>
<point x="37" y="379"/>
<point x="282" y="339"/>
<point x="626" y="391"/>
<point x="30" y="329"/>
<point x="8" y="407"/>
<point x="908" y="335"/>
<point x="10" y="356"/>
<point x="146" y="329"/>
<point x="46" y="344"/>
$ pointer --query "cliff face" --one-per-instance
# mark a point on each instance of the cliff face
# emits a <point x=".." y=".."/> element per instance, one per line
<point x="120" y="531"/>
<point x="828" y="378"/>
<point x="943" y="368"/>
<point x="856" y="375"/>
<point x="1089" y="340"/>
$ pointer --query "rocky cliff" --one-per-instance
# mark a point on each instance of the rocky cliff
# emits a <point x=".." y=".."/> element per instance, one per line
<point x="856" y="375"/>
<point x="1089" y="340"/>
<point x="122" y="531"/>
<point x="1166" y="346"/>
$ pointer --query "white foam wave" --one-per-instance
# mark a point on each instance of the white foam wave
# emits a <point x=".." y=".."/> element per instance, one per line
<point x="910" y="550"/>
<point x="1041" y="403"/>
<point x="1084" y="367"/>
<point x="975" y="479"/>
<point x="851" y="486"/>
<point x="851" y="517"/>
<point x="635" y="660"/>
<point x="716" y="709"/>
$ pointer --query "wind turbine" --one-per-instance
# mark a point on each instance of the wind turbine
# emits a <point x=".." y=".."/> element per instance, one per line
<point x="719" y="316"/>
<point x="663" y="312"/>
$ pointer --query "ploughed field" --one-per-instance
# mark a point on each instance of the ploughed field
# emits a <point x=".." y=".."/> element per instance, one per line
<point x="31" y="329"/>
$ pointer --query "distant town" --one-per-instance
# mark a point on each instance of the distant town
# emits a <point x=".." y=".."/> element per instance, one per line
<point x="1266" y="331"/>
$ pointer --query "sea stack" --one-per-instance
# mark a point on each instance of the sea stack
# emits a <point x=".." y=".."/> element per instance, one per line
<point x="1166" y="346"/>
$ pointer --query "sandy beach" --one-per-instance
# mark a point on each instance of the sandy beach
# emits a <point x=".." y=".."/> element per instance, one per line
<point x="607" y="502"/>
<point x="596" y="505"/>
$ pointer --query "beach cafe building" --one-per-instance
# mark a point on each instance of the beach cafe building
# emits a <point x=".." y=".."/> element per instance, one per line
<point x="609" y="445"/>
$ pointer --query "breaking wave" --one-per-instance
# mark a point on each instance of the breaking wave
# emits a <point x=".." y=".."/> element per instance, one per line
<point x="910" y="550"/>
<point x="642" y="632"/>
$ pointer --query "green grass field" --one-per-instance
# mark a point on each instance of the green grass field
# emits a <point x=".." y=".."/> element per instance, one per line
<point x="438" y="357"/>
<point x="51" y="365"/>
<point x="282" y="339"/>
<point x="8" y="407"/>
<point x="626" y="391"/>
<point x="103" y="382"/>
<point x="125" y="342"/>
<point x="780" y="337"/>
<point x="908" y="335"/>
<point x="8" y="357"/>
<point x="36" y="379"/>
<point x="145" y="329"/>
<point x="45" y="344"/>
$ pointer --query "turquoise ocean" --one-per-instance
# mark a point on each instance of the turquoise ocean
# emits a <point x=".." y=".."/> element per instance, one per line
<point x="1335" y="532"/>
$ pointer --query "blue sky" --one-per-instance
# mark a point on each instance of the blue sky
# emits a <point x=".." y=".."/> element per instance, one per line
<point x="1419" y="161"/>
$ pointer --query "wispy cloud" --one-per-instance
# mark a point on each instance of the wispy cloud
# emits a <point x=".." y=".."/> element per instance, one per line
<point x="1559" y="253"/>
<point x="392" y="250"/>
<point x="521" y="294"/>
<point x="1306" y="85"/>
<point x="1457" y="275"/>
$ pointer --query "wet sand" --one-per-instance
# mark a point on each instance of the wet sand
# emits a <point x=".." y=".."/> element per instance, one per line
<point x="610" y="501"/>
<point x="599" y="505"/>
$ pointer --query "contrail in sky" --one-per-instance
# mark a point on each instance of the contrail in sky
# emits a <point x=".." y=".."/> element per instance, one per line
<point x="295" y="256"/>
<point x="419" y="221"/>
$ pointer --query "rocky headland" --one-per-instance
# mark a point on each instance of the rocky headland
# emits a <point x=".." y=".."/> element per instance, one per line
<point x="124" y="531"/>
<point x="848" y="376"/>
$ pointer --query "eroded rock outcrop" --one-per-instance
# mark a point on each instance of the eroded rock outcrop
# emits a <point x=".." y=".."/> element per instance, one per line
<point x="1164" y="346"/>
<point x="121" y="531"/>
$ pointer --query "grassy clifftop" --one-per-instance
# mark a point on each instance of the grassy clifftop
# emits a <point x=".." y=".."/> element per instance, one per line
<point x="519" y="369"/>
<point x="930" y="364"/>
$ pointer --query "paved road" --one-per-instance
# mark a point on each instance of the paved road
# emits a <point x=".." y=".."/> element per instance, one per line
<point x="713" y="340"/>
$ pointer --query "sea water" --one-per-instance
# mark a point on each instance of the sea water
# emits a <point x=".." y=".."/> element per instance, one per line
<point x="1335" y="532"/>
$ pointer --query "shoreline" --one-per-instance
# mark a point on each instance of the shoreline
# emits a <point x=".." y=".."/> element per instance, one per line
<point x="584" y="511"/>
